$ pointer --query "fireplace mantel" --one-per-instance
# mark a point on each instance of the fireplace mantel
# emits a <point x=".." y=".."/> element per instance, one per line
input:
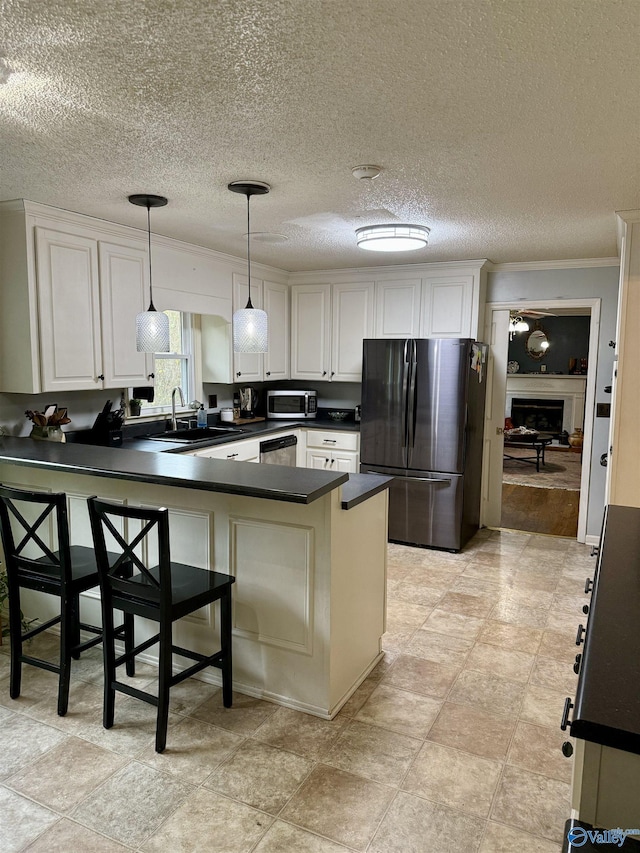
<point x="570" y="389"/>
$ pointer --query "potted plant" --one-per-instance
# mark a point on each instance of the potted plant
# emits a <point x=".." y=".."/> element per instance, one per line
<point x="134" y="406"/>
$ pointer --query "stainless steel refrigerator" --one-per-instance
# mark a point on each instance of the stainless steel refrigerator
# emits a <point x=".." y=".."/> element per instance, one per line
<point x="422" y="422"/>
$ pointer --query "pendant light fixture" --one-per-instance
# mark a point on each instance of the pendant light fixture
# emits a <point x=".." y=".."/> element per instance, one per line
<point x="152" y="327"/>
<point x="249" y="323"/>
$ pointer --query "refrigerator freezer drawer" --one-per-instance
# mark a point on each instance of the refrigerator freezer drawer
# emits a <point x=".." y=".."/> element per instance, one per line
<point x="425" y="508"/>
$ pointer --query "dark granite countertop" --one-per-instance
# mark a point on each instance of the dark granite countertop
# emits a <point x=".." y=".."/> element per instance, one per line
<point x="607" y="704"/>
<point x="361" y="487"/>
<point x="274" y="482"/>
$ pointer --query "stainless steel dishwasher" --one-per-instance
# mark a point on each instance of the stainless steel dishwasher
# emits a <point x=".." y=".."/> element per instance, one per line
<point x="279" y="451"/>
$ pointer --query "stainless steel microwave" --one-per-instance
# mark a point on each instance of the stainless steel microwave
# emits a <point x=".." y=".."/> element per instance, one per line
<point x="292" y="405"/>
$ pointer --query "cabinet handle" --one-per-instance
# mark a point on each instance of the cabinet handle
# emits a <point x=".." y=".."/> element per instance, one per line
<point x="231" y="455"/>
<point x="324" y="372"/>
<point x="576" y="666"/>
<point x="332" y="461"/>
<point x="568" y="705"/>
<point x="151" y="376"/>
<point x="579" y="634"/>
<point x="101" y="377"/>
<point x="588" y="586"/>
<point x="238" y="373"/>
<point x="268" y="373"/>
<point x="333" y="373"/>
<point x="328" y="440"/>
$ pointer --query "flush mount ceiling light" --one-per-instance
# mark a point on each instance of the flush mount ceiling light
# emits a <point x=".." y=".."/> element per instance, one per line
<point x="392" y="238"/>
<point x="152" y="327"/>
<point x="249" y="323"/>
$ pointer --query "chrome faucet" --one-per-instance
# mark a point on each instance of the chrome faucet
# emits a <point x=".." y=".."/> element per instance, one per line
<point x="174" y="423"/>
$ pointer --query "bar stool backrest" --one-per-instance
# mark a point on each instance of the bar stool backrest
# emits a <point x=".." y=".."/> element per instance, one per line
<point x="138" y="562"/>
<point x="25" y="543"/>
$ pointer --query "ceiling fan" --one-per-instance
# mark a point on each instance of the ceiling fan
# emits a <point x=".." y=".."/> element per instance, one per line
<point x="517" y="323"/>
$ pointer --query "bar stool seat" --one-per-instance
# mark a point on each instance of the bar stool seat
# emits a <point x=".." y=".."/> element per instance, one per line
<point x="65" y="572"/>
<point x="164" y="593"/>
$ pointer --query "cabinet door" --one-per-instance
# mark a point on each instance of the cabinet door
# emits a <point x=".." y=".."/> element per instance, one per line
<point x="124" y="287"/>
<point x="69" y="310"/>
<point x="318" y="459"/>
<point x="247" y="367"/>
<point x="310" y="331"/>
<point x="398" y="308"/>
<point x="276" y="304"/>
<point x="446" y="307"/>
<point x="344" y="461"/>
<point x="352" y="313"/>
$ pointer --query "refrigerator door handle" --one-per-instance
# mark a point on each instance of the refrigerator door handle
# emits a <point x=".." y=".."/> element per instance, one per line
<point x="428" y="479"/>
<point x="411" y="407"/>
<point x="405" y="391"/>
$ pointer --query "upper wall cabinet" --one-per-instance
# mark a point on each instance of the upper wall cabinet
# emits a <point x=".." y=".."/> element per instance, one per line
<point x="89" y="293"/>
<point x="398" y="308"/>
<point x="328" y="325"/>
<point x="68" y="302"/>
<point x="446" y="312"/>
<point x="273" y="298"/>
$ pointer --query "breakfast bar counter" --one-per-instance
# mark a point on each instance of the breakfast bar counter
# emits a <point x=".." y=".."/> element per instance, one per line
<point x="307" y="548"/>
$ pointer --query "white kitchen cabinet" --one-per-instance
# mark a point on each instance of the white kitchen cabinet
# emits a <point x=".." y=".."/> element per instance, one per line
<point x="124" y="293"/>
<point x="68" y="301"/>
<point x="447" y="302"/>
<point x="247" y="366"/>
<point x="398" y="308"/>
<point x="69" y="311"/>
<point x="310" y="331"/>
<point x="330" y="450"/>
<point x="329" y="323"/>
<point x="276" y="303"/>
<point x="233" y="451"/>
<point x="89" y="293"/>
<point x="273" y="298"/>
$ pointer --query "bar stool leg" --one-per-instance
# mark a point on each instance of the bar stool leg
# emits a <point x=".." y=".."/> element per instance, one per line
<point x="165" y="671"/>
<point x="68" y="627"/>
<point x="15" y="630"/>
<point x="225" y="641"/>
<point x="75" y="625"/>
<point x="129" y="643"/>
<point x="109" y="655"/>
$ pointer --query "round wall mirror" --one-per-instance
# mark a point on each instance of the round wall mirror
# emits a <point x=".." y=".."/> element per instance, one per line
<point x="537" y="343"/>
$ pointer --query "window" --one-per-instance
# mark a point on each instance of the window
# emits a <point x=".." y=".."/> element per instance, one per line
<point x="174" y="367"/>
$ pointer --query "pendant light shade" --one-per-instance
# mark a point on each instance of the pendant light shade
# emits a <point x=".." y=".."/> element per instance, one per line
<point x="152" y="327"/>
<point x="250" y="327"/>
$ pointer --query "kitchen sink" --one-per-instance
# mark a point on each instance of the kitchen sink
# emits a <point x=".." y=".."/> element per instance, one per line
<point x="186" y="436"/>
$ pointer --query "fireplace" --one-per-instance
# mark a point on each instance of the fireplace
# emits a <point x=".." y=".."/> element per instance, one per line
<point x="538" y="414"/>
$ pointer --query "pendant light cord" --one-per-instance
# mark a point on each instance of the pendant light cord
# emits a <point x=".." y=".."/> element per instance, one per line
<point x="151" y="305"/>
<point x="249" y="304"/>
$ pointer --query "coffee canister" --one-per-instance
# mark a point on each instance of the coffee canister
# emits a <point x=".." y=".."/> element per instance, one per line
<point x="226" y="415"/>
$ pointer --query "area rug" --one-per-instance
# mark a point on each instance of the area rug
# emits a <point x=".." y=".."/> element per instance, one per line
<point x="562" y="470"/>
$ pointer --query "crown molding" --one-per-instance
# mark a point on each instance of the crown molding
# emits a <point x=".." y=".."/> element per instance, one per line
<point x="571" y="264"/>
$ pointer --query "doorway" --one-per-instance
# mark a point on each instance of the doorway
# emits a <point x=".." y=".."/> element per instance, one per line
<point x="543" y="490"/>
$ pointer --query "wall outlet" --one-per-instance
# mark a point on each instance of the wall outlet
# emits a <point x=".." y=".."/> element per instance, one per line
<point x="543" y="368"/>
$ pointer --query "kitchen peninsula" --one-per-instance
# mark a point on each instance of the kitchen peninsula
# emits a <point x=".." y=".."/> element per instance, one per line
<point x="307" y="548"/>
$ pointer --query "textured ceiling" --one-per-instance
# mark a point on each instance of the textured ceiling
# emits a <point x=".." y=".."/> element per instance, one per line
<point x="510" y="127"/>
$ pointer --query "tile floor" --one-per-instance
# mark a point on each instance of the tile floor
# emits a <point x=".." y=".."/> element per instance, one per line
<point x="452" y="744"/>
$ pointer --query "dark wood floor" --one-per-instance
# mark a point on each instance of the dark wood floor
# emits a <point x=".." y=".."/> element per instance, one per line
<point x="551" y="511"/>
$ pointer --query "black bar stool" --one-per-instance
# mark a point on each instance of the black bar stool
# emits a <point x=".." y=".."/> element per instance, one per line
<point x="163" y="593"/>
<point x="65" y="573"/>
